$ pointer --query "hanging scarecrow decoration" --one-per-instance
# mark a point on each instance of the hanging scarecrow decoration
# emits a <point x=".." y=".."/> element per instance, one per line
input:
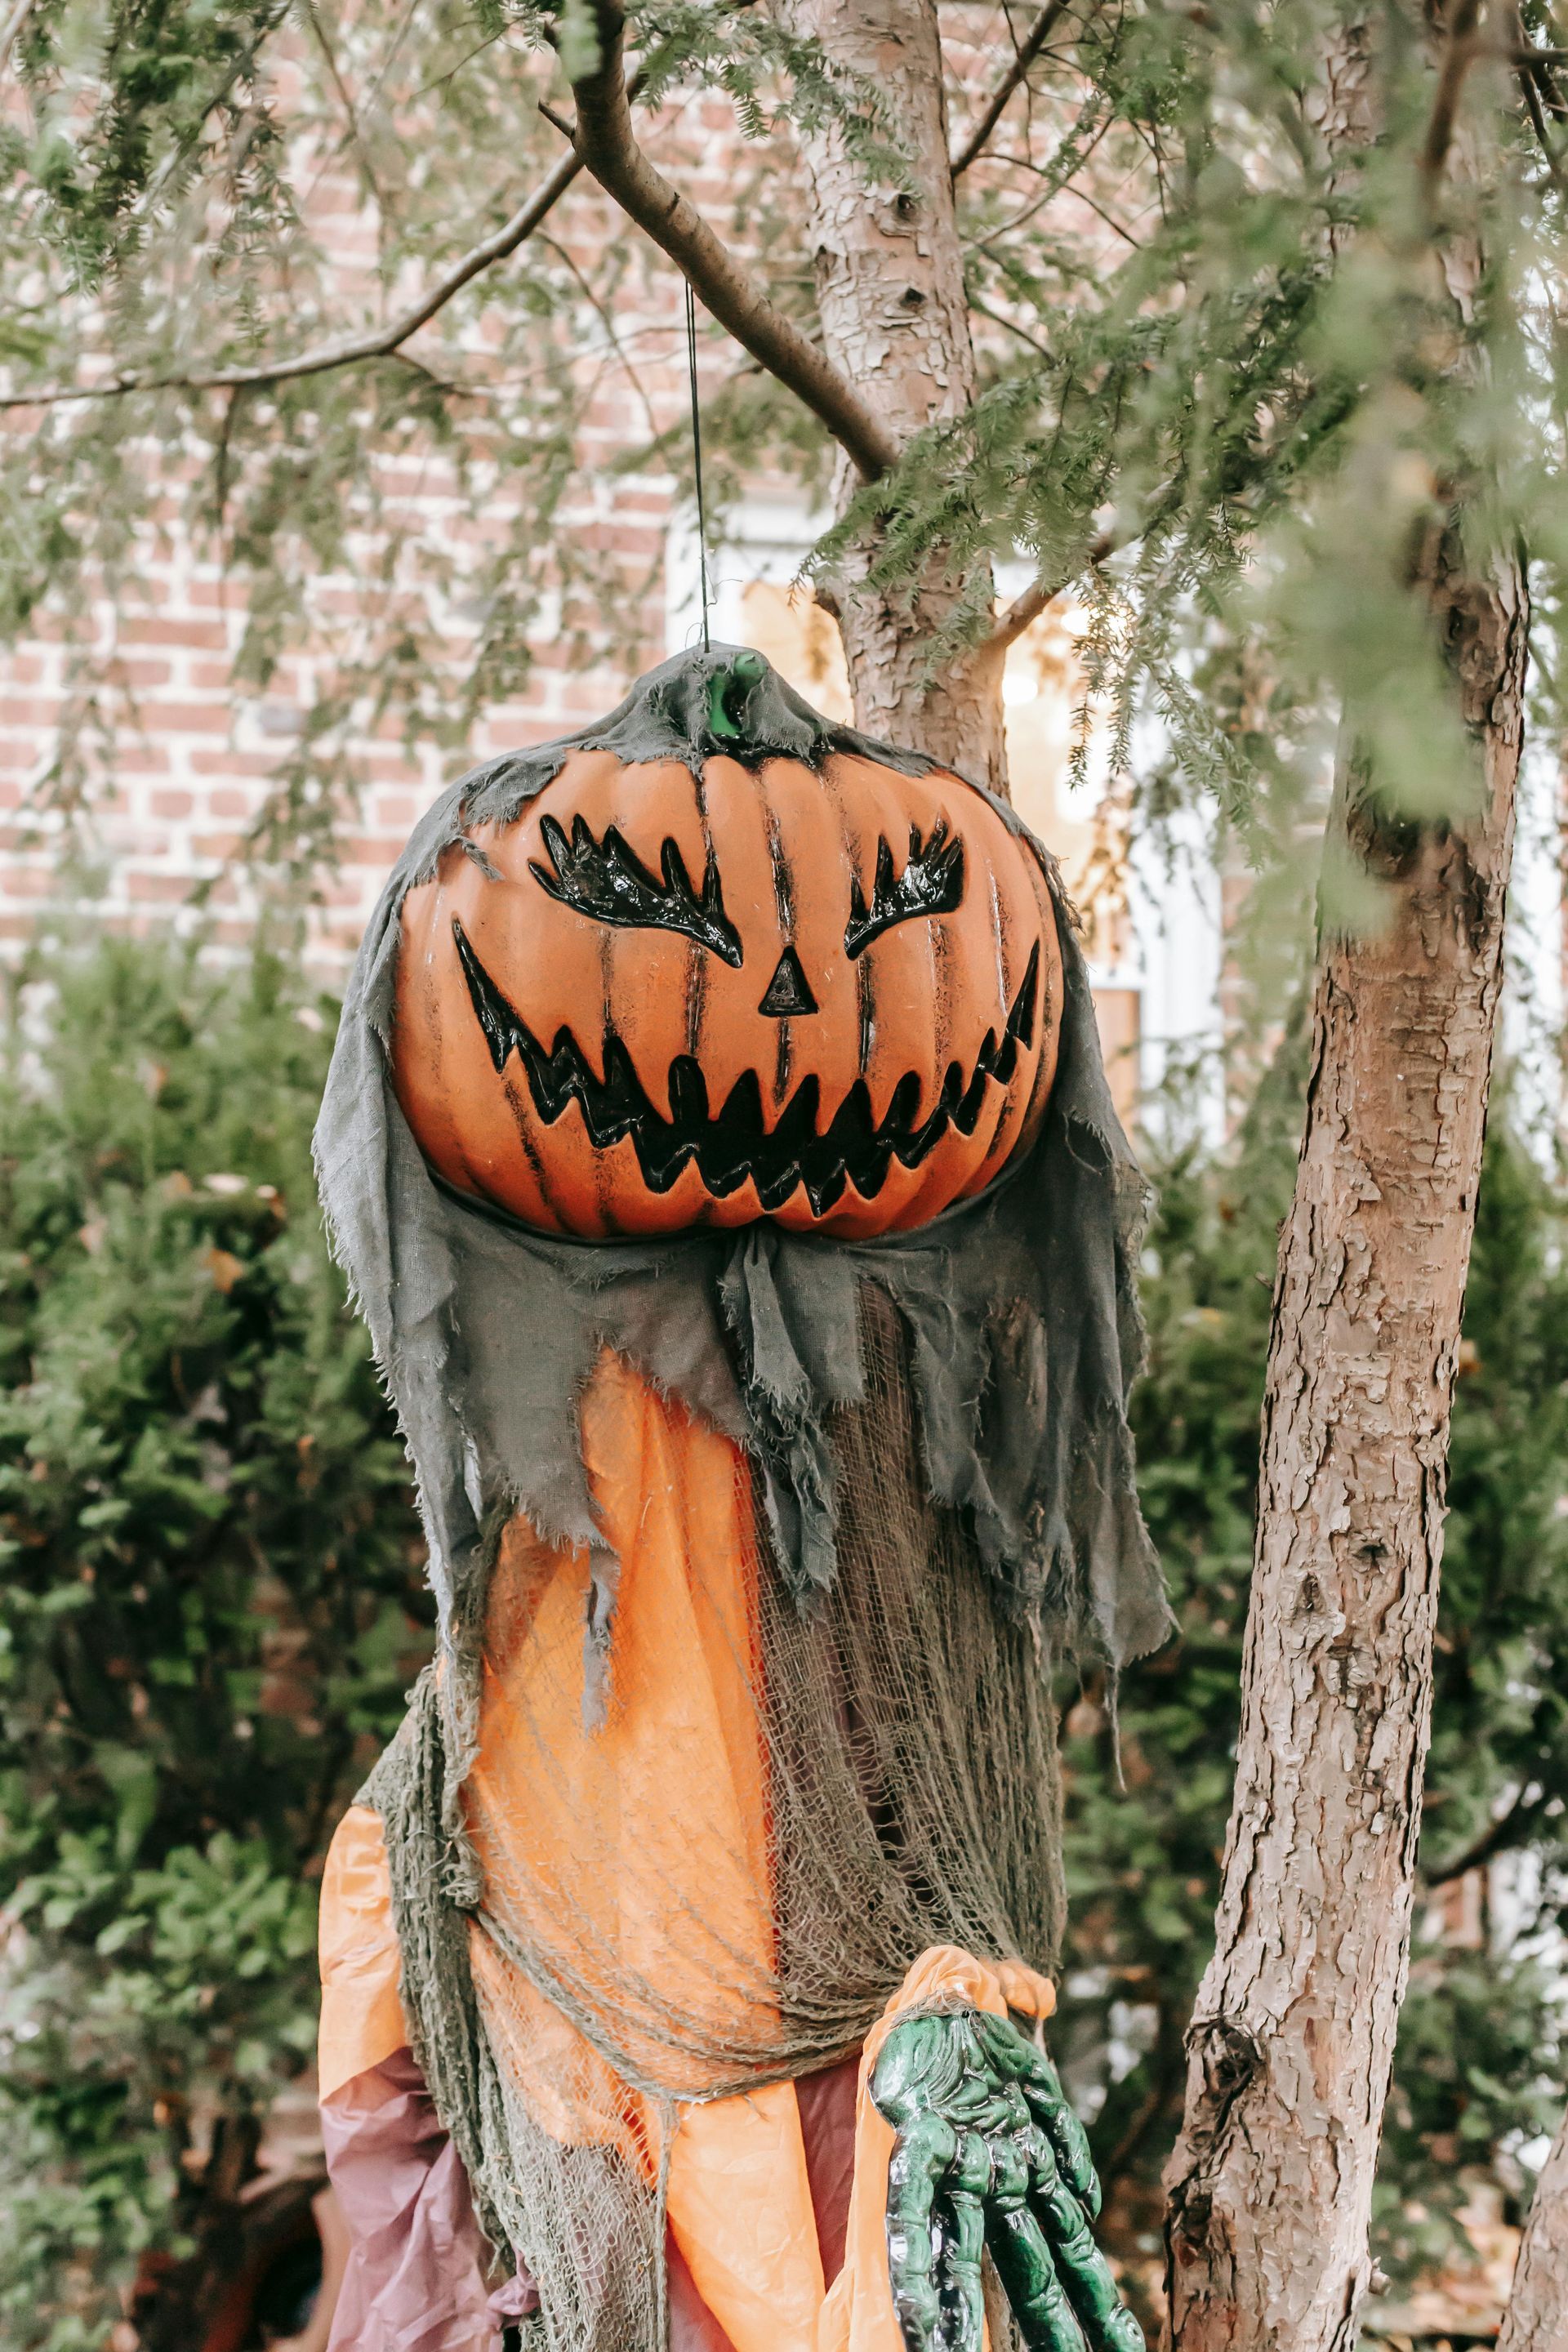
<point x="718" y="1144"/>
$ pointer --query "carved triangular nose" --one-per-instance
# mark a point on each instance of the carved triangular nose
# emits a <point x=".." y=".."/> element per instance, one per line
<point x="788" y="990"/>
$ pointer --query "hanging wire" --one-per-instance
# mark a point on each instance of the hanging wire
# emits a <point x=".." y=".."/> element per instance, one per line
<point x="697" y="456"/>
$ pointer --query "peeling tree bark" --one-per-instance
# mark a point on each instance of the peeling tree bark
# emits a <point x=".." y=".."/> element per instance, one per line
<point x="1291" y="2046"/>
<point x="895" y="320"/>
<point x="1536" y="2319"/>
<point x="1292" y="2039"/>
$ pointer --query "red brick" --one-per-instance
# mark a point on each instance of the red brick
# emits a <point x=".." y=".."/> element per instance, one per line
<point x="138" y="758"/>
<point x="184" y="718"/>
<point x="158" y="629"/>
<point x="233" y="763"/>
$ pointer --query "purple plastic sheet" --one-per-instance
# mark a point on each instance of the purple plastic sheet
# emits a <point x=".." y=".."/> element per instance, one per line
<point x="415" y="2280"/>
<point x="417" y="2277"/>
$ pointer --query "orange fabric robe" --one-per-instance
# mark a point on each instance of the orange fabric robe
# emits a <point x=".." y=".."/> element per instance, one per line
<point x="674" y="1784"/>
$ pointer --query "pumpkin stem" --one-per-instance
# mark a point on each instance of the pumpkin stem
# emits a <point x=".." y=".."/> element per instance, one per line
<point x="728" y="690"/>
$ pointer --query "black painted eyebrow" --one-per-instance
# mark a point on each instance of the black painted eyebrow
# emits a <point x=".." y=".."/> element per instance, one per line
<point x="931" y="884"/>
<point x="607" y="881"/>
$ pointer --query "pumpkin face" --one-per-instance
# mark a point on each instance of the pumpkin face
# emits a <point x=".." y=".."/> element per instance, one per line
<point x="827" y="997"/>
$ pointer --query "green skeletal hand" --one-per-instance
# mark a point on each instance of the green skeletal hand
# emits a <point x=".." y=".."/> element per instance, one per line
<point x="989" y="2156"/>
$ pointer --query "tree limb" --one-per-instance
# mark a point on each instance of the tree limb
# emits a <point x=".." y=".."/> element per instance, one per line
<point x="1032" y="601"/>
<point x="1000" y="319"/>
<point x="607" y="142"/>
<point x="1029" y="48"/>
<point x="12" y="25"/>
<point x="1492" y="1840"/>
<point x="1459" y="51"/>
<point x="380" y="343"/>
<point x="1025" y="608"/>
<point x="608" y="321"/>
<point x="1543" y="137"/>
<point x="345" y="98"/>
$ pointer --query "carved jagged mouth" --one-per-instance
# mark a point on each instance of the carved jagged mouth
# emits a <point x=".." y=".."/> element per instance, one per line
<point x="734" y="1142"/>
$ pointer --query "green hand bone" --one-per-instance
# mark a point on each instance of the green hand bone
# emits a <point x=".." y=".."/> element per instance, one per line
<point x="988" y="2156"/>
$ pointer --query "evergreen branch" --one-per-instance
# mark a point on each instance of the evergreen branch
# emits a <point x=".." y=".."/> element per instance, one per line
<point x="1039" y="33"/>
<point x="380" y="343"/>
<point x="607" y="142"/>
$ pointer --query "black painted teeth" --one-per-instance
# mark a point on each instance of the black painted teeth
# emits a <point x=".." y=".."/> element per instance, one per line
<point x="734" y="1142"/>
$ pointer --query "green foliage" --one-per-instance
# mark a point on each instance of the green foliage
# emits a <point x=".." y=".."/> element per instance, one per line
<point x="212" y="1605"/>
<point x="1257" y="416"/>
<point x="169" y="74"/>
<point x="1479" y="2071"/>
<point x="210" y="1592"/>
<point x="1239" y="380"/>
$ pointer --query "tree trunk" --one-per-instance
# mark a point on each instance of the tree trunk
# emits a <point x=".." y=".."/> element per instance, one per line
<point x="895" y="318"/>
<point x="1292" y="2039"/>
<point x="1536" y="2319"/>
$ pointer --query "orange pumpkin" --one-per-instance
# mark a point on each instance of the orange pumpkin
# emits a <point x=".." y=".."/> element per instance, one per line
<point x="824" y="996"/>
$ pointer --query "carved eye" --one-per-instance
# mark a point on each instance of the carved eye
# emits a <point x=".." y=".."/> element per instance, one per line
<point x="608" y="881"/>
<point x="931" y="884"/>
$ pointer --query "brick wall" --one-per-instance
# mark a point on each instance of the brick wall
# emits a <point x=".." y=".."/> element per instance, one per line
<point x="180" y="762"/>
<point x="184" y="765"/>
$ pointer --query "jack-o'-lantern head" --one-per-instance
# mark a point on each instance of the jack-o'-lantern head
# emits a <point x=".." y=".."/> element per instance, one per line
<point x="727" y="963"/>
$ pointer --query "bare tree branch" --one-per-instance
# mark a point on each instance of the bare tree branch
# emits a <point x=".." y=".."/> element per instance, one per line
<point x="1460" y="48"/>
<point x="346" y="98"/>
<point x="1047" y="172"/>
<point x="1000" y="319"/>
<point x="1538" y="119"/>
<point x="1029" y="48"/>
<point x="1023" y="610"/>
<point x="1492" y="1840"/>
<point x="379" y="342"/>
<point x="1032" y="601"/>
<point x="11" y="27"/>
<point x="607" y="145"/>
<point x="608" y="321"/>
